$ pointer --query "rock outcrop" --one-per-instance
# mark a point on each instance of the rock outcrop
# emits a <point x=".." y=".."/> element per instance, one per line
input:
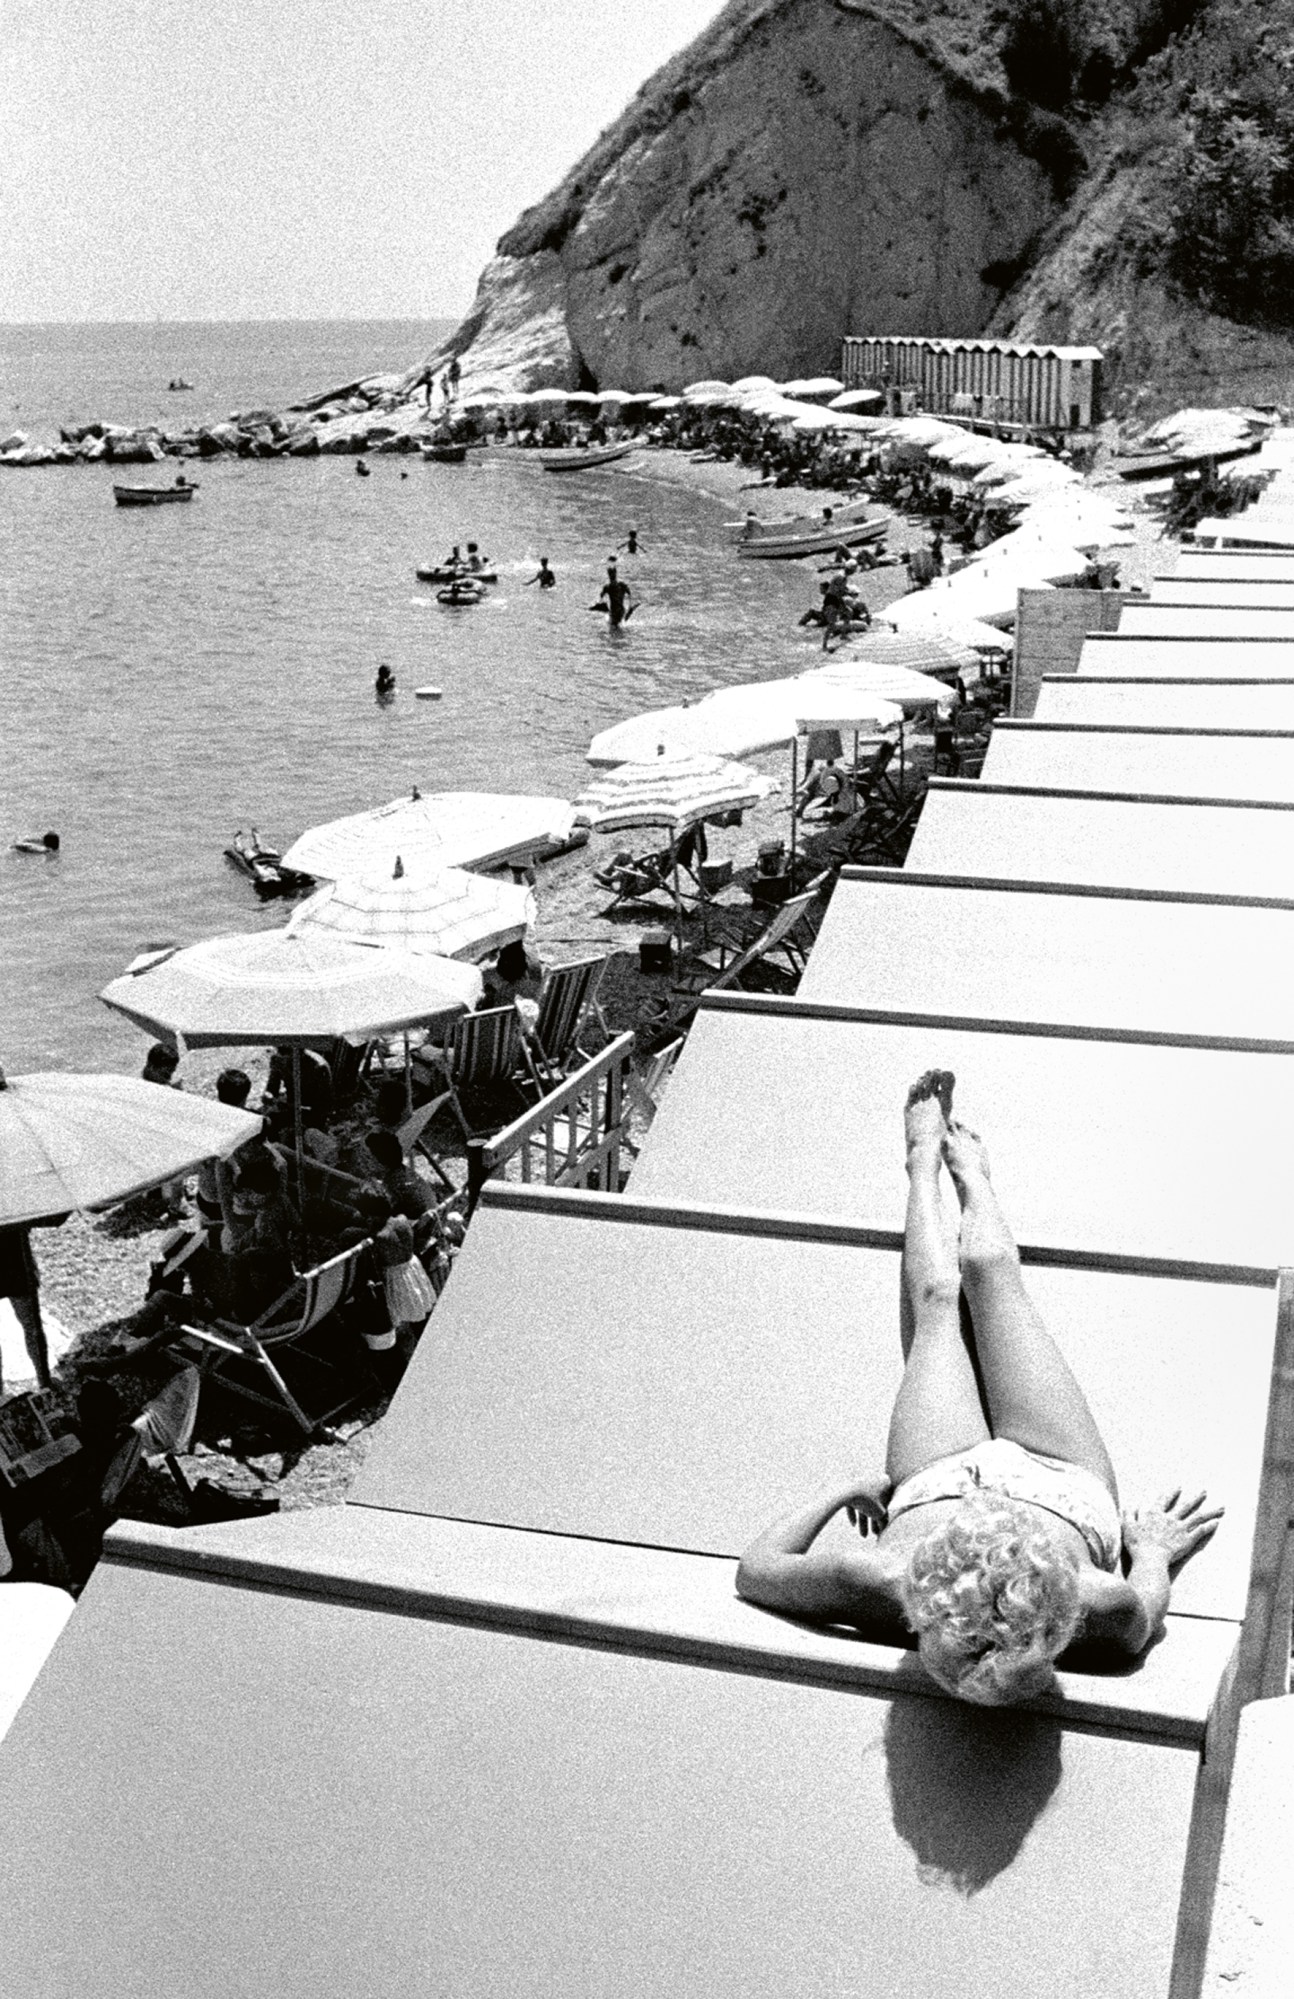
<point x="811" y="168"/>
<point x="808" y="168"/>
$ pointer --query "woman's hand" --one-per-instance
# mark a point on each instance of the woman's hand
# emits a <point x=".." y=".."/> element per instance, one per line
<point x="1174" y="1526"/>
<point x="866" y="1508"/>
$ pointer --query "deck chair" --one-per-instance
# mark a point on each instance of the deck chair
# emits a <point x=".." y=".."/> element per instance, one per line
<point x="226" y="1353"/>
<point x="483" y="1055"/>
<point x="777" y="935"/>
<point x="631" y="879"/>
<point x="568" y="995"/>
<point x="647" y="1082"/>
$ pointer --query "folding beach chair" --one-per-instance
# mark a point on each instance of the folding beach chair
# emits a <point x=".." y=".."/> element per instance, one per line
<point x="568" y="995"/>
<point x="637" y="879"/>
<point x="777" y="935"/>
<point x="483" y="1056"/>
<point x="226" y="1353"/>
<point x="647" y="1082"/>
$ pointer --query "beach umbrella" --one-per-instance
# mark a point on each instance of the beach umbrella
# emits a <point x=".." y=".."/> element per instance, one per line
<point x="439" y="829"/>
<point x="855" y="399"/>
<point x="445" y="911"/>
<point x="816" y="419"/>
<point x="664" y="402"/>
<point x="812" y="385"/>
<point x="912" y="692"/>
<point x="709" y="388"/>
<point x="263" y="987"/>
<point x="951" y="627"/>
<point x="920" y="652"/>
<point x="731" y="722"/>
<point x="749" y="383"/>
<point x="669" y="791"/>
<point x="70" y="1141"/>
<point x="988" y="596"/>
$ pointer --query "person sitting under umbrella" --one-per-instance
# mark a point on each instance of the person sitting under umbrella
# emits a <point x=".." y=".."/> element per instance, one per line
<point x="20" y="1284"/>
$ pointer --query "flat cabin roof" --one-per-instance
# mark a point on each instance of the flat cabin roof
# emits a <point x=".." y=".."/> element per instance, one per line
<point x="1121" y="655"/>
<point x="1215" y="594"/>
<point x="1233" y="565"/>
<point x="915" y="943"/>
<point x="1176" y="764"/>
<point x="613" y="1386"/>
<point x="972" y="828"/>
<point x="299" y="1796"/>
<point x="1275" y="530"/>
<point x="1205" y="1177"/>
<point x="1202" y="622"/>
<point x="1150" y="704"/>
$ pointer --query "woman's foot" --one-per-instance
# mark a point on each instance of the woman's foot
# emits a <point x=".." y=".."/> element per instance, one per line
<point x="925" y="1116"/>
<point x="964" y="1155"/>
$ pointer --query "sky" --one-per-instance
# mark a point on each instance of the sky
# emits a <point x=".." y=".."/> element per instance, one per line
<point x="294" y="159"/>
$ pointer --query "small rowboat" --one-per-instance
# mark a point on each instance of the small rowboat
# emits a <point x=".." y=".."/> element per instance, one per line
<point x="466" y="590"/>
<point x="581" y="458"/>
<point x="152" y="496"/>
<point x="847" y="534"/>
<point x="787" y="524"/>
<point x="444" y="454"/>
<point x="444" y="572"/>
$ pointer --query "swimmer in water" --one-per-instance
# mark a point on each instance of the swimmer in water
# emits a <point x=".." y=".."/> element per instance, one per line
<point x="37" y="843"/>
<point x="361" y="469"/>
<point x="543" y="576"/>
<point x="384" y="685"/>
<point x="615" y="598"/>
<point x="630" y="544"/>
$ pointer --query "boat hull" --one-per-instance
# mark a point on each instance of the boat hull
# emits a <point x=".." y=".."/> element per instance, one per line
<point x="152" y="496"/>
<point x="578" y="460"/>
<point x="442" y="574"/>
<point x="846" y="534"/>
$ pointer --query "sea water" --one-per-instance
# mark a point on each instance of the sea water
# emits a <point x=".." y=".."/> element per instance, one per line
<point x="169" y="675"/>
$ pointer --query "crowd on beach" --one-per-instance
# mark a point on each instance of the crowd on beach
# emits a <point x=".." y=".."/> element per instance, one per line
<point x="335" y="1169"/>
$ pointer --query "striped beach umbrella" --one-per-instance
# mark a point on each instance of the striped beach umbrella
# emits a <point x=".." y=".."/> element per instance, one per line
<point x="445" y="911"/>
<point x="443" y="829"/>
<point x="262" y="987"/>
<point x="669" y="791"/>
<point x="921" y="652"/>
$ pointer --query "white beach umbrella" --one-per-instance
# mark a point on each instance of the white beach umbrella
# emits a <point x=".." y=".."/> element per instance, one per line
<point x="444" y="911"/>
<point x="815" y="419"/>
<point x="86" y="1142"/>
<point x="921" y="652"/>
<point x="669" y="791"/>
<point x="812" y="385"/>
<point x="749" y="383"/>
<point x="863" y="681"/>
<point x="855" y="399"/>
<point x="441" y="829"/>
<point x="706" y="388"/>
<point x="944" y="623"/>
<point x="262" y="987"/>
<point x="731" y="722"/>
<point x="988" y="596"/>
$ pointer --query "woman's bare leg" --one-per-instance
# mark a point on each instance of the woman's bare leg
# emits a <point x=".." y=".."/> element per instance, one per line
<point x="1031" y="1393"/>
<point x="937" y="1411"/>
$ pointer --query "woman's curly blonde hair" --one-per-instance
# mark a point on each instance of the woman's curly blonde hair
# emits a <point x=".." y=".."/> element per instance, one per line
<point x="993" y="1600"/>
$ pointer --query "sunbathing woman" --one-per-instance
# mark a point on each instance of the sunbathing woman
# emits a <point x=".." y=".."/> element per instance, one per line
<point x="998" y="1536"/>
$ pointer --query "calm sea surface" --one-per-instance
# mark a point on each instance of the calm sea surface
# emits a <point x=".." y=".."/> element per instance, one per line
<point x="169" y="676"/>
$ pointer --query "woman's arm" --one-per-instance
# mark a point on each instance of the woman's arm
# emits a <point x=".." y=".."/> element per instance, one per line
<point x="782" y="1571"/>
<point x="1130" y="1611"/>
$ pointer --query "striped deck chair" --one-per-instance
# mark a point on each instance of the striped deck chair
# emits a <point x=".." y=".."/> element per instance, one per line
<point x="778" y="934"/>
<point x="485" y="1055"/>
<point x="568" y="995"/>
<point x="228" y="1353"/>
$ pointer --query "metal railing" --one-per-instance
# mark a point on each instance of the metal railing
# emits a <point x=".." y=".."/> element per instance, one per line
<point x="570" y="1138"/>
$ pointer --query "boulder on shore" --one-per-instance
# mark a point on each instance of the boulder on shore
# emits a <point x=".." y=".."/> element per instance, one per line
<point x="15" y="441"/>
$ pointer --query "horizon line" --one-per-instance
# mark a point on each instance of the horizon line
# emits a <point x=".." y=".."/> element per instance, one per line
<point x="273" y="319"/>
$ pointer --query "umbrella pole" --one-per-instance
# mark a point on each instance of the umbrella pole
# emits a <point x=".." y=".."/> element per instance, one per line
<point x="408" y="1075"/>
<point x="795" y="786"/>
<point x="298" y="1124"/>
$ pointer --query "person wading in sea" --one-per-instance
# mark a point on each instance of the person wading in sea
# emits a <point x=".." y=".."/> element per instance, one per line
<point x="615" y="598"/>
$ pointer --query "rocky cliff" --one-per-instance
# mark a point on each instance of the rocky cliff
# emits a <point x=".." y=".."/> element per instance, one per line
<point x="810" y="168"/>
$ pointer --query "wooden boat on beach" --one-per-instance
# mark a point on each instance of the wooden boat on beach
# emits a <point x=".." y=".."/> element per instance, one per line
<point x="839" y="534"/>
<point x="582" y="458"/>
<point x="152" y="496"/>
<point x="786" y="524"/>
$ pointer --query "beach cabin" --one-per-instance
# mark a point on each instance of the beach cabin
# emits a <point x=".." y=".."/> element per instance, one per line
<point x="1013" y="381"/>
